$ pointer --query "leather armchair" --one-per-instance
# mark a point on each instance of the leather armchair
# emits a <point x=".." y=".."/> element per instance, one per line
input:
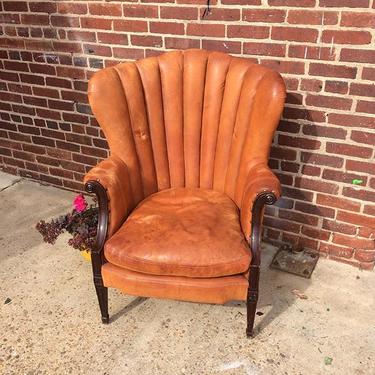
<point x="181" y="197"/>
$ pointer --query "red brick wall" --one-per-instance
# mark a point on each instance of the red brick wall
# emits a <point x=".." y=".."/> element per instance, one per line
<point x="323" y="48"/>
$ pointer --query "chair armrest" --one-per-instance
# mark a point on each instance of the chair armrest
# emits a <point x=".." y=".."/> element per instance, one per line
<point x="109" y="180"/>
<point x="262" y="187"/>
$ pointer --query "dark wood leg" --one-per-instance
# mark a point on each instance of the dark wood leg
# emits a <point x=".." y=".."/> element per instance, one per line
<point x="97" y="257"/>
<point x="263" y="198"/>
<point x="252" y="299"/>
<point x="102" y="293"/>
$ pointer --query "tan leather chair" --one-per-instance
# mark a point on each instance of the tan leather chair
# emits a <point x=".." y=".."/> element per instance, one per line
<point x="181" y="197"/>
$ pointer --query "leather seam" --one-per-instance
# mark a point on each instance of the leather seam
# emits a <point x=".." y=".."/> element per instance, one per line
<point x="144" y="261"/>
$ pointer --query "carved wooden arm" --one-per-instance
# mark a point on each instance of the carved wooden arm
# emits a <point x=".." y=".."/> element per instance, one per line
<point x="109" y="181"/>
<point x="262" y="188"/>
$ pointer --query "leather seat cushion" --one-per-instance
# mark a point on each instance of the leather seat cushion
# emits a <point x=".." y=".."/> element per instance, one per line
<point x="187" y="232"/>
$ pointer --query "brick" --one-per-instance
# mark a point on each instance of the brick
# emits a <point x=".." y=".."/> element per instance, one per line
<point x="303" y="114"/>
<point x="22" y="89"/>
<point x="58" y="82"/>
<point x="85" y="36"/>
<point x="195" y="2"/>
<point x="281" y="224"/>
<point x="334" y="226"/>
<point x="299" y="240"/>
<point x="298" y="217"/>
<point x="351" y="120"/>
<point x="9" y="18"/>
<point x="128" y="53"/>
<point x="345" y="177"/>
<point x="250" y="32"/>
<point x="7" y="76"/>
<point x="146" y="40"/>
<point x="16" y="65"/>
<point x="314" y="209"/>
<point x="69" y="47"/>
<point x="362" y="89"/>
<point x="315" y="233"/>
<point x="140" y="11"/>
<point x="181" y="43"/>
<point x="336" y="87"/>
<point x="33" y="79"/>
<point x="325" y="70"/>
<point x="346" y="37"/>
<point x="369" y="210"/>
<point x="295" y="34"/>
<point x="363" y="137"/>
<point x="344" y="3"/>
<point x="360" y="166"/>
<point x="71" y="8"/>
<point x="349" y="150"/>
<point x="325" y="101"/>
<point x="43" y="7"/>
<point x="304" y="143"/>
<point x="263" y="15"/>
<point x="359" y="193"/>
<point x="97" y="49"/>
<point x="290" y="67"/>
<point x="15" y="6"/>
<point x="43" y="69"/>
<point x="180" y="13"/>
<point x="338" y="251"/>
<point x="106" y="9"/>
<point x="64" y="21"/>
<point x="307" y="17"/>
<point x="96" y="23"/>
<point x="223" y="14"/>
<point x="324" y="131"/>
<point x="283" y="153"/>
<point x="316" y="185"/>
<point x="361" y="20"/>
<point x="311" y="52"/>
<point x="368" y="73"/>
<point x="241" y="2"/>
<point x="357" y="219"/>
<point x="205" y="30"/>
<point x="288" y="127"/>
<point x="47" y="114"/>
<point x="310" y="170"/>
<point x="38" y="102"/>
<point x="292" y="3"/>
<point x="72" y="117"/>
<point x="354" y="242"/>
<point x="366" y="232"/>
<point x="112" y="38"/>
<point x="167" y="28"/>
<point x="222" y="46"/>
<point x="365" y="106"/>
<point x="130" y="25"/>
<point x="294" y="98"/>
<point x="355" y="55"/>
<point x="35" y="19"/>
<point x="364" y="256"/>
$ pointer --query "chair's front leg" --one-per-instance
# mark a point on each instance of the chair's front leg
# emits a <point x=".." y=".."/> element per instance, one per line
<point x="256" y="232"/>
<point x="97" y="257"/>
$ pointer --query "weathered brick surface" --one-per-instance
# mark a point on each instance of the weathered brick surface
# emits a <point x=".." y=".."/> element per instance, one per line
<point x="323" y="48"/>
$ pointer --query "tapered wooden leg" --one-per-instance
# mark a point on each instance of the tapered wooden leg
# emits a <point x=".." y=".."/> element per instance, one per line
<point x="102" y="293"/>
<point x="252" y="299"/>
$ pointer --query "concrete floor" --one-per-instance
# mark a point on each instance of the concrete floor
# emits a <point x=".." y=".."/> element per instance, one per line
<point x="52" y="324"/>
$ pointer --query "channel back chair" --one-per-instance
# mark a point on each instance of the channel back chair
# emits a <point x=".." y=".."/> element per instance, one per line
<point x="182" y="194"/>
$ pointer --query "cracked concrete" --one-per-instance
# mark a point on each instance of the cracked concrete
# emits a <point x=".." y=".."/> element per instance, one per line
<point x="52" y="323"/>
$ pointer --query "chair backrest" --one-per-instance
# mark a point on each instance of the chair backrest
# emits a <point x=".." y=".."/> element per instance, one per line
<point x="189" y="118"/>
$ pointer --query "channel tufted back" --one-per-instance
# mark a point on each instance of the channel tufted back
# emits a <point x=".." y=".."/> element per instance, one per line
<point x="188" y="119"/>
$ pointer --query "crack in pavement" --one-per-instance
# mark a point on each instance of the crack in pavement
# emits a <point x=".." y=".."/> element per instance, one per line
<point x="12" y="184"/>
